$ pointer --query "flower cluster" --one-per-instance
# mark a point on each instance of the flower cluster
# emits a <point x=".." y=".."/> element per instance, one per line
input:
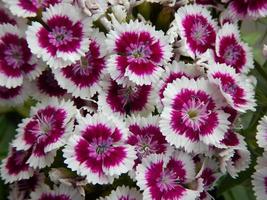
<point x="116" y="97"/>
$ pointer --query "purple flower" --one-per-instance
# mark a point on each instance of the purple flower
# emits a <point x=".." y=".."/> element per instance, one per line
<point x="237" y="90"/>
<point x="192" y="117"/>
<point x="128" y="99"/>
<point x="146" y="137"/>
<point x="13" y="96"/>
<point x="138" y="52"/>
<point x="248" y="8"/>
<point x="45" y="131"/>
<point x="29" y="8"/>
<point x="16" y="58"/>
<point x="64" y="38"/>
<point x="231" y="50"/>
<point x="98" y="149"/>
<point x="82" y="78"/>
<point x="196" y="28"/>
<point x="164" y="177"/>
<point x="15" y="166"/>
<point x="46" y="86"/>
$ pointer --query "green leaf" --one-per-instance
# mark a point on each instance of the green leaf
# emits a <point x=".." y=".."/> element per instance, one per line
<point x="252" y="38"/>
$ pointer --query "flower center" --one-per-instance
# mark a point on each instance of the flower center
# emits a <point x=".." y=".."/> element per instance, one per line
<point x="230" y="88"/>
<point x="145" y="146"/>
<point x="231" y="54"/>
<point x="13" y="56"/>
<point x="128" y="94"/>
<point x="167" y="181"/>
<point x="138" y="52"/>
<point x="99" y="148"/>
<point x="200" y="32"/>
<point x="195" y="113"/>
<point x="60" y="36"/>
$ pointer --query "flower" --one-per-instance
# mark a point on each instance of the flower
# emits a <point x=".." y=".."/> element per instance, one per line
<point x="209" y="173"/>
<point x="21" y="189"/>
<point x="124" y="192"/>
<point x="98" y="150"/>
<point x="192" y="117"/>
<point x="46" y="86"/>
<point x="82" y="78"/>
<point x="235" y="160"/>
<point x="196" y="28"/>
<point x="146" y="137"/>
<point x="13" y="96"/>
<point x="164" y="177"/>
<point x="48" y="129"/>
<point x="15" y="167"/>
<point x="231" y="50"/>
<point x="94" y="8"/>
<point x="259" y="178"/>
<point x="261" y="135"/>
<point x="127" y="100"/>
<point x="137" y="53"/>
<point x="173" y="71"/>
<point x="26" y="8"/>
<point x="237" y="90"/>
<point x="5" y="16"/>
<point x="16" y="59"/>
<point x="248" y="8"/>
<point x="62" y="192"/>
<point x="63" y="39"/>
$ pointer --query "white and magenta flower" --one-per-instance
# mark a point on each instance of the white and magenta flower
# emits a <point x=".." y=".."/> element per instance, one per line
<point x="248" y="8"/>
<point x="48" y="129"/>
<point x="124" y="193"/>
<point x="209" y="173"/>
<point x="231" y="50"/>
<point x="29" y="8"/>
<point x="196" y="28"/>
<point x="138" y="53"/>
<point x="236" y="89"/>
<point x="46" y="86"/>
<point x="98" y="150"/>
<point x="146" y="137"/>
<point x="173" y="71"/>
<point x="82" y="78"/>
<point x="128" y="99"/>
<point x="21" y="189"/>
<point x="164" y="177"/>
<point x="5" y="16"/>
<point x="16" y="58"/>
<point x="261" y="135"/>
<point x="61" y="192"/>
<point x="63" y="39"/>
<point x="13" y="96"/>
<point x="235" y="160"/>
<point x="192" y="117"/>
<point x="259" y="178"/>
<point x="15" y="166"/>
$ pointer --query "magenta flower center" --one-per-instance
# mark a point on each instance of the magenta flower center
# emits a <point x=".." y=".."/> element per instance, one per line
<point x="139" y="52"/>
<point x="60" y="36"/>
<point x="232" y="54"/>
<point x="128" y="94"/>
<point x="100" y="148"/>
<point x="145" y="146"/>
<point x="194" y="113"/>
<point x="200" y="32"/>
<point x="167" y="181"/>
<point x="14" y="56"/>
